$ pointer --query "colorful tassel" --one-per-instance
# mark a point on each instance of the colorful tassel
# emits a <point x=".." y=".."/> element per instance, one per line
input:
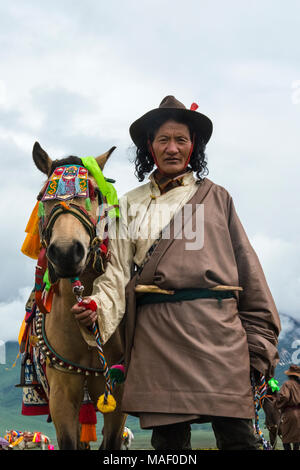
<point x="117" y="373"/>
<point x="46" y="280"/>
<point x="87" y="414"/>
<point x="64" y="205"/>
<point x="41" y="209"/>
<point x="91" y="190"/>
<point x="88" y="433"/>
<point x="88" y="204"/>
<point x="106" y="405"/>
<point x="87" y="419"/>
<point x="32" y="245"/>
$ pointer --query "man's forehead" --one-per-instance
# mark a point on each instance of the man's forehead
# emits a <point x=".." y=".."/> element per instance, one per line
<point x="173" y="127"/>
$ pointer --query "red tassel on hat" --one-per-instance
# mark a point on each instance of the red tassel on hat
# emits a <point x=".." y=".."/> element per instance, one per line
<point x="194" y="106"/>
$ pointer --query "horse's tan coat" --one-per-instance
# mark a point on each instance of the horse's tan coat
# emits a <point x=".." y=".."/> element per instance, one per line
<point x="64" y="335"/>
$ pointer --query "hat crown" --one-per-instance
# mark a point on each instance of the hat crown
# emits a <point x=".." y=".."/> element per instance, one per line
<point x="171" y="102"/>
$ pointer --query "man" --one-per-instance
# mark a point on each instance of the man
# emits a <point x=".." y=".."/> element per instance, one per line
<point x="288" y="402"/>
<point x="199" y="313"/>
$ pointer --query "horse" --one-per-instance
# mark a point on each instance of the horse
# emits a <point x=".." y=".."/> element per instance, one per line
<point x="68" y="237"/>
<point x="272" y="418"/>
<point x="27" y="440"/>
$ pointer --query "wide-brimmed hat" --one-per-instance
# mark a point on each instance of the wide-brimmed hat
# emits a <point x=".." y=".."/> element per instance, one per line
<point x="168" y="108"/>
<point x="293" y="370"/>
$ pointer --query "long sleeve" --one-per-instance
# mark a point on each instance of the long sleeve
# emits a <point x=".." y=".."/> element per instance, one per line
<point x="283" y="397"/>
<point x="257" y="309"/>
<point x="109" y="289"/>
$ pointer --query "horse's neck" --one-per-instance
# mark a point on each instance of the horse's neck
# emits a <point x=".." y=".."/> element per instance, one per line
<point x="61" y="326"/>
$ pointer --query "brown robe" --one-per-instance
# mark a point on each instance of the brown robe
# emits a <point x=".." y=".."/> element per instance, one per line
<point x="288" y="401"/>
<point x="190" y="360"/>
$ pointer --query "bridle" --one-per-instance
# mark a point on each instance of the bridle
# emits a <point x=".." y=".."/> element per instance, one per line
<point x="98" y="254"/>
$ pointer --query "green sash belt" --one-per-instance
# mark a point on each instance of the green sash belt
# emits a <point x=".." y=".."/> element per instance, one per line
<point x="184" y="294"/>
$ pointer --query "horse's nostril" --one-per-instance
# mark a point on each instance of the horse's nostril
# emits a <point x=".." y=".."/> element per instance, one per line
<point x="68" y="255"/>
<point x="52" y="253"/>
<point x="78" y="251"/>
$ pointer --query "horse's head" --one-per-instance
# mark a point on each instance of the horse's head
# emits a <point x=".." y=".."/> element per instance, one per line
<point x="70" y="201"/>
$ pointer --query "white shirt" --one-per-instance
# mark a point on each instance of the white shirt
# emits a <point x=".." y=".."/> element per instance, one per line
<point x="144" y="212"/>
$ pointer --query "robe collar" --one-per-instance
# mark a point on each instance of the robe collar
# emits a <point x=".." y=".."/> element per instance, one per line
<point x="165" y="184"/>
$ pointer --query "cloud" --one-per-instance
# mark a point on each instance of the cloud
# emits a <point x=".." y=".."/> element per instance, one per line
<point x="12" y="314"/>
<point x="281" y="265"/>
<point x="75" y="75"/>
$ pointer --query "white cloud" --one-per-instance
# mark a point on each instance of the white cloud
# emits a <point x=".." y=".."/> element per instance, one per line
<point x="74" y="75"/>
<point x="281" y="264"/>
<point x="12" y="314"/>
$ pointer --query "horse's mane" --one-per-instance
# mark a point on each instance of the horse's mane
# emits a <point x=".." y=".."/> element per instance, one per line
<point x="65" y="161"/>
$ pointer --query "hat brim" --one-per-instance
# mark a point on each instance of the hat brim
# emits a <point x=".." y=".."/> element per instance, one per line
<point x="288" y="372"/>
<point x="140" y="128"/>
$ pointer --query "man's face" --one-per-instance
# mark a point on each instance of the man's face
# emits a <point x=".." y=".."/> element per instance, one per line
<point x="171" y="146"/>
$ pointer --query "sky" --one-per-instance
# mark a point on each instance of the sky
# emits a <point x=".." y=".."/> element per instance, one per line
<point x="74" y="75"/>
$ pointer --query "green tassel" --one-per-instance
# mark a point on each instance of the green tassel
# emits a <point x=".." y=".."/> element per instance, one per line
<point x="41" y="210"/>
<point x="46" y="280"/>
<point x="88" y="204"/>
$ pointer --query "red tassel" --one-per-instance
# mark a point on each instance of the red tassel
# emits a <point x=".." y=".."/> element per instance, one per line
<point x="88" y="421"/>
<point x="87" y="414"/>
<point x="194" y="106"/>
<point x="91" y="191"/>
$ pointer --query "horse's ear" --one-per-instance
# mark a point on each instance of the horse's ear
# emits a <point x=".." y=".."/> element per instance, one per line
<point x="41" y="158"/>
<point x="102" y="159"/>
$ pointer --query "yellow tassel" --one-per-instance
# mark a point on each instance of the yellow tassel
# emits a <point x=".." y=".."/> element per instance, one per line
<point x="14" y="364"/>
<point x="88" y="433"/>
<point x="106" y="407"/>
<point x="22" y="331"/>
<point x="33" y="222"/>
<point x="31" y="246"/>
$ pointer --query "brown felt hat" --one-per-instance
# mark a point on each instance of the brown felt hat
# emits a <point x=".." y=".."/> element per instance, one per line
<point x="293" y="370"/>
<point x="171" y="107"/>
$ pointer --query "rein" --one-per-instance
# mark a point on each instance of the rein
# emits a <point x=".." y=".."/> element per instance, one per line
<point x="98" y="250"/>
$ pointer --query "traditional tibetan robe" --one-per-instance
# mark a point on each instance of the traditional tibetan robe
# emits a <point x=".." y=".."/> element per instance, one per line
<point x="288" y="401"/>
<point x="189" y="359"/>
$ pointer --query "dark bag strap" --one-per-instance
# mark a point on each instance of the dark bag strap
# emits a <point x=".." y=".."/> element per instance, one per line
<point x="163" y="244"/>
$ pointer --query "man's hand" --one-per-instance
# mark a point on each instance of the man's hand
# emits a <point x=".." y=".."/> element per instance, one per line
<point x="83" y="313"/>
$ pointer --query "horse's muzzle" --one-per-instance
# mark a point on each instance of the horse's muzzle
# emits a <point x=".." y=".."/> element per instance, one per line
<point x="67" y="258"/>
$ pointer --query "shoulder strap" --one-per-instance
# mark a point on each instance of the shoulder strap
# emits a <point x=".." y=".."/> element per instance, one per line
<point x="162" y="244"/>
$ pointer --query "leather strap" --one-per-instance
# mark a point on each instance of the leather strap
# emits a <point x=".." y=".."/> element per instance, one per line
<point x="162" y="246"/>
